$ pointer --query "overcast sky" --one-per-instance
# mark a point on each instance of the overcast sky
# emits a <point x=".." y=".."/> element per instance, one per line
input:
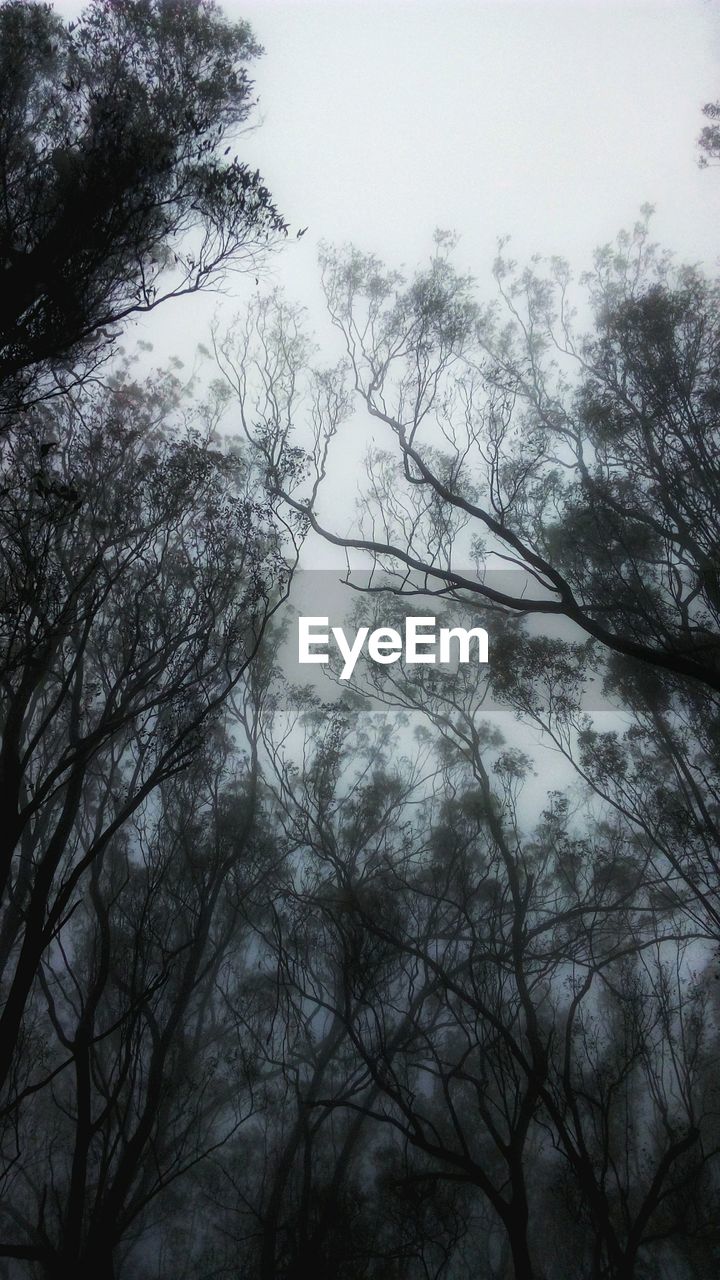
<point x="380" y="120"/>
<point x="551" y="122"/>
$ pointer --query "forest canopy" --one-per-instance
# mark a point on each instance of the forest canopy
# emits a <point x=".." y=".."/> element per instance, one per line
<point x="362" y="978"/>
<point x="119" y="187"/>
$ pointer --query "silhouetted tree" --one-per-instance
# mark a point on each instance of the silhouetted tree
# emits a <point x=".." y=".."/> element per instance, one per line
<point x="522" y="1012"/>
<point x="306" y="1187"/>
<point x="709" y="140"/>
<point x="587" y="463"/>
<point x="119" y="186"/>
<point x="147" y="1080"/>
<point x="139" y="567"/>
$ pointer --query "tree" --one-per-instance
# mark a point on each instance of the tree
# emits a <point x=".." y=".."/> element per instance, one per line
<point x="522" y="1008"/>
<point x="118" y="192"/>
<point x="306" y="1187"/>
<point x="709" y="140"/>
<point x="588" y="464"/>
<point x="139" y="568"/>
<point x="657" y="768"/>
<point x="147" y="1083"/>
<point x="578" y="473"/>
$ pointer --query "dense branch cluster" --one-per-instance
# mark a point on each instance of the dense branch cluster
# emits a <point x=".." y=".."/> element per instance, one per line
<point x="117" y="189"/>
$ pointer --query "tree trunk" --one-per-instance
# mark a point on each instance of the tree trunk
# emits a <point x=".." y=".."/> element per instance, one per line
<point x="516" y="1225"/>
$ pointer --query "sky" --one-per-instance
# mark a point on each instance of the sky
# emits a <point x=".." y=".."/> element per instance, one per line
<point x="552" y="123"/>
<point x="380" y="120"/>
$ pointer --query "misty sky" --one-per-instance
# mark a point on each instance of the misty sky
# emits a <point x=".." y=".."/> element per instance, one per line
<point x="380" y="120"/>
<point x="552" y="123"/>
<point x="549" y="122"/>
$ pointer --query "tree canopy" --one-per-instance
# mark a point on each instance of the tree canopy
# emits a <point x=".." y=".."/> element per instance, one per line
<point x="586" y="462"/>
<point x="120" y="183"/>
<point x="353" y="980"/>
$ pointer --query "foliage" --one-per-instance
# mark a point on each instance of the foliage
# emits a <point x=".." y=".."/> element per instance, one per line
<point x="585" y="463"/>
<point x="118" y="189"/>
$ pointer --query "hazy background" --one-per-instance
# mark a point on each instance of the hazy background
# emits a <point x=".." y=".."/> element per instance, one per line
<point x="380" y="120"/>
<point x="552" y="123"/>
<point x="549" y="122"/>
